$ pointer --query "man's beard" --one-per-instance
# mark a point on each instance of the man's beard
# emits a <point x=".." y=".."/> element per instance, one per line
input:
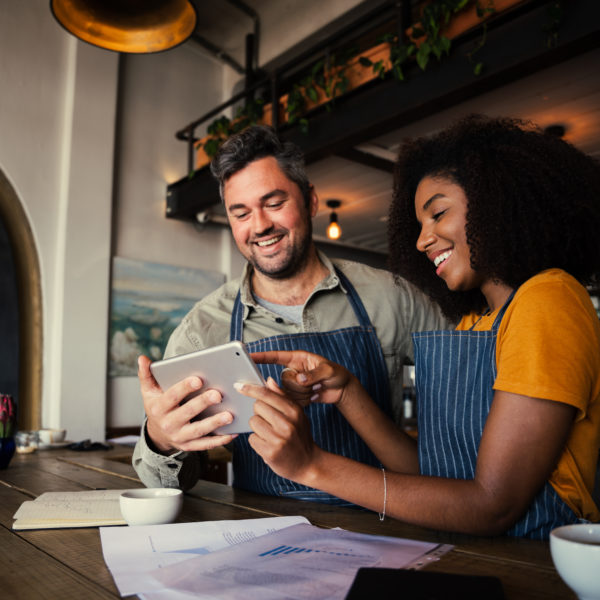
<point x="297" y="257"/>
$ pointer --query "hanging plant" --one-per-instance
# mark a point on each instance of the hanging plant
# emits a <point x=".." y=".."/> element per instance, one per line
<point x="555" y="19"/>
<point x="399" y="55"/>
<point x="220" y="129"/>
<point x="328" y="78"/>
<point x="426" y="38"/>
<point x="482" y="13"/>
<point x="427" y="34"/>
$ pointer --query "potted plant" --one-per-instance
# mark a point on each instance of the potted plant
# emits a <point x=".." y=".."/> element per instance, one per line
<point x="7" y="429"/>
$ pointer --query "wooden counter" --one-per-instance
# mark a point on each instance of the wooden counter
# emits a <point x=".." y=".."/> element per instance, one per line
<point x="67" y="564"/>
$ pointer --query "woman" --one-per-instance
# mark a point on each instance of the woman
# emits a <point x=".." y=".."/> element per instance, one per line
<point x="499" y="223"/>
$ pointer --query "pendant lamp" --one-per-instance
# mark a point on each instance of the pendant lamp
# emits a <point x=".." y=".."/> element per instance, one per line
<point x="132" y="26"/>
<point x="334" y="231"/>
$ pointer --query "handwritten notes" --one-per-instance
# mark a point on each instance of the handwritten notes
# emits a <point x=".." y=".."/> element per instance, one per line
<point x="70" y="509"/>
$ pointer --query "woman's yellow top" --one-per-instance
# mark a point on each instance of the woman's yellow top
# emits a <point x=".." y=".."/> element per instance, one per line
<point x="548" y="347"/>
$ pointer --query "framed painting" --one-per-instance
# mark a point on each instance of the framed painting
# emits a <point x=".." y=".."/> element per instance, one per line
<point x="148" y="301"/>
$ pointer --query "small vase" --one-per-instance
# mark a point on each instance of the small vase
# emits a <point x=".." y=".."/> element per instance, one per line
<point x="7" y="449"/>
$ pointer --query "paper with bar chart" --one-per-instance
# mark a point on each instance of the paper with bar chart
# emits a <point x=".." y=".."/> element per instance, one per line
<point x="132" y="552"/>
<point x="298" y="562"/>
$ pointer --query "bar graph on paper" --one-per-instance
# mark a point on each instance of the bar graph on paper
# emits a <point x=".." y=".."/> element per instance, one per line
<point x="283" y="550"/>
<point x="293" y="550"/>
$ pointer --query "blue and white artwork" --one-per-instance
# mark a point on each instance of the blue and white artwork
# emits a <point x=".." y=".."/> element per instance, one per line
<point x="148" y="302"/>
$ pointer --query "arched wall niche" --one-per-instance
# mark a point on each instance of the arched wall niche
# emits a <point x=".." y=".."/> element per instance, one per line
<point x="30" y="305"/>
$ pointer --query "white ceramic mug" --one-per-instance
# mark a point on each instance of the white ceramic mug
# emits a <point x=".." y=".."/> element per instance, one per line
<point x="575" y="552"/>
<point x="150" y="506"/>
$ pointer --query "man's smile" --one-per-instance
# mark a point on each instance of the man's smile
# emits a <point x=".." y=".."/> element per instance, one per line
<point x="270" y="241"/>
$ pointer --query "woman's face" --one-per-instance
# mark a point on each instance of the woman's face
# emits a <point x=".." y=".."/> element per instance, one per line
<point x="441" y="209"/>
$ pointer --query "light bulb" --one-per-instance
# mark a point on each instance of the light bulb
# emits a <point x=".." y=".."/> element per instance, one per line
<point x="334" y="231"/>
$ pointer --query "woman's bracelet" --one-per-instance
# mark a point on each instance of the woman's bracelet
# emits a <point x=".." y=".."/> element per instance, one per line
<point x="382" y="514"/>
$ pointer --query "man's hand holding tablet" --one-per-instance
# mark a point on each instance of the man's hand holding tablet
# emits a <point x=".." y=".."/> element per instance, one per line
<point x="190" y="397"/>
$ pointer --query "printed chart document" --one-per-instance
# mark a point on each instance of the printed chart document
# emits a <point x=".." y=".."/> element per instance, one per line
<point x="53" y="510"/>
<point x="131" y="553"/>
<point x="298" y="562"/>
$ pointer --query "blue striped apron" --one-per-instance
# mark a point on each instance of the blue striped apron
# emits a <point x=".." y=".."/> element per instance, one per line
<point x="454" y="375"/>
<point x="357" y="349"/>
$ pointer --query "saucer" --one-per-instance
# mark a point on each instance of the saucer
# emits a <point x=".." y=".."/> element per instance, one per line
<point x="53" y="445"/>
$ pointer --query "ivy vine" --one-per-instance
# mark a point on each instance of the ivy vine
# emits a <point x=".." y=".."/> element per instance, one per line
<point x="426" y="39"/>
<point x="555" y="17"/>
<point x="326" y="78"/>
<point x="223" y="127"/>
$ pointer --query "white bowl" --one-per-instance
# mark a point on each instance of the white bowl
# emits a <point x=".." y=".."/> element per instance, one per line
<point x="51" y="436"/>
<point x="150" y="506"/>
<point x="575" y="551"/>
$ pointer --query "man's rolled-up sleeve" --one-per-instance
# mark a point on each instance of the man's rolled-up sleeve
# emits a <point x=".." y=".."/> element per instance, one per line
<point x="179" y="470"/>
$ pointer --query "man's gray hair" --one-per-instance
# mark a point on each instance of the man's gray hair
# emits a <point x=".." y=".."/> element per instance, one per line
<point x="254" y="143"/>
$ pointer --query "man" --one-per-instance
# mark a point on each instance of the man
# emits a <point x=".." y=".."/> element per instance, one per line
<point x="290" y="296"/>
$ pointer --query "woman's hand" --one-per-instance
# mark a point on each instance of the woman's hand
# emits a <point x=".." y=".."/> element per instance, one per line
<point x="312" y="378"/>
<point x="282" y="435"/>
<point x="309" y="377"/>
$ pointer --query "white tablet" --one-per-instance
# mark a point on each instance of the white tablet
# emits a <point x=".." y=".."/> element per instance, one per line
<point x="219" y="367"/>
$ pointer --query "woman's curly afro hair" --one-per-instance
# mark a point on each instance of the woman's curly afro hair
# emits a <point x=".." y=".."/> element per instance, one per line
<point x="533" y="203"/>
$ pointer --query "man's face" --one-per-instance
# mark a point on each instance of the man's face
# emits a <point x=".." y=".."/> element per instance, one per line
<point x="269" y="220"/>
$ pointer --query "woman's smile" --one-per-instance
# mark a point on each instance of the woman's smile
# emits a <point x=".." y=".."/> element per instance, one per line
<point x="440" y="259"/>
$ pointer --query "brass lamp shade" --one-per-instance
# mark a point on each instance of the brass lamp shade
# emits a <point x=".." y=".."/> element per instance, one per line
<point x="133" y="26"/>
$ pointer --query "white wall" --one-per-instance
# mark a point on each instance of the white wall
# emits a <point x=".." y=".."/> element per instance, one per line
<point x="75" y="377"/>
<point x="160" y="94"/>
<point x="57" y="123"/>
<point x="59" y="103"/>
<point x="286" y="23"/>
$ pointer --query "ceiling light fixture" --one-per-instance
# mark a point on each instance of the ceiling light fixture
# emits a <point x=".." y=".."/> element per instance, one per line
<point x="334" y="231"/>
<point x="556" y="130"/>
<point x="131" y="26"/>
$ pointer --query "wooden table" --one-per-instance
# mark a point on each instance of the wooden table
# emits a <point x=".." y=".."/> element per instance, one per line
<point x="67" y="564"/>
